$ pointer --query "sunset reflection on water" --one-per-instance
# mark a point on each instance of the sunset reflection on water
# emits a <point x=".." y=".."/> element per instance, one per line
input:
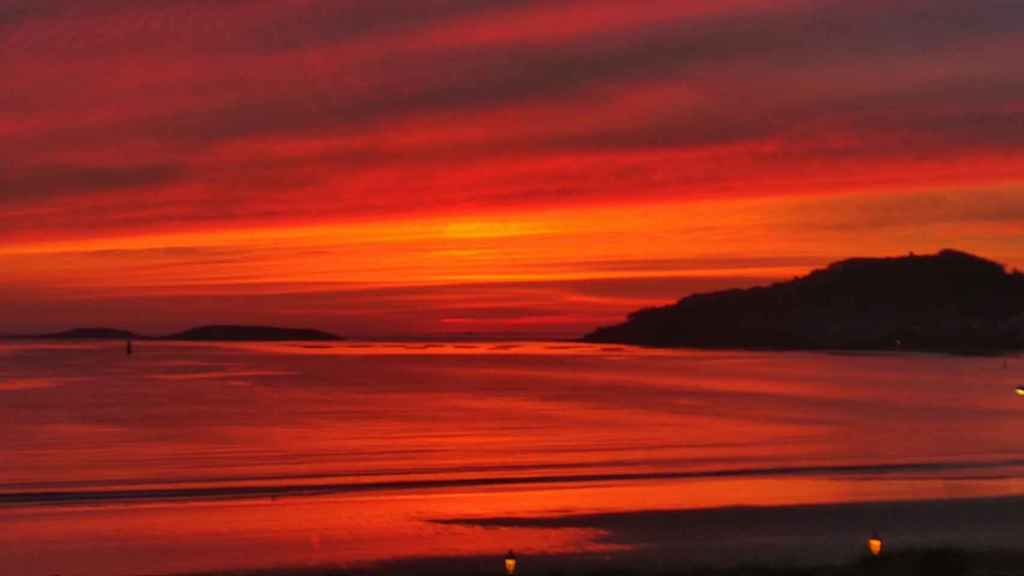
<point x="192" y="457"/>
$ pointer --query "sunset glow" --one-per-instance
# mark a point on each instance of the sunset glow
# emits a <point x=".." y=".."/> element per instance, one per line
<point x="400" y="168"/>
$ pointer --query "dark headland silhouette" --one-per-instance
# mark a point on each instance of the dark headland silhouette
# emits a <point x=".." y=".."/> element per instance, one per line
<point x="250" y="333"/>
<point x="90" y="334"/>
<point x="235" y="333"/>
<point x="951" y="301"/>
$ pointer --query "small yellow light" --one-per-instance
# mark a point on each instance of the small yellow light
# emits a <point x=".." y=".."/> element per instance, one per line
<point x="875" y="545"/>
<point x="510" y="563"/>
<point x="1020" y="390"/>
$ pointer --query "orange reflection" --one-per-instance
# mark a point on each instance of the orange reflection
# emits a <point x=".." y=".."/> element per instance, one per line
<point x="209" y="456"/>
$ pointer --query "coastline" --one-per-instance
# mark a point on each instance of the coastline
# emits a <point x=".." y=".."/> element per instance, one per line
<point x="935" y="537"/>
<point x="933" y="561"/>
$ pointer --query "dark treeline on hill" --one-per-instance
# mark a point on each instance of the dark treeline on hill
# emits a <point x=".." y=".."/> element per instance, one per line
<point x="946" y="302"/>
<point x="90" y="334"/>
<point x="240" y="333"/>
<point x="212" y="332"/>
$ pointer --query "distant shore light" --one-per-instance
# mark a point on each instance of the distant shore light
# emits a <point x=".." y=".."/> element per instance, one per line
<point x="875" y="544"/>
<point x="510" y="563"/>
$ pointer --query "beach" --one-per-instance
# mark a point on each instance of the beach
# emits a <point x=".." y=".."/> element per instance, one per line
<point x="192" y="457"/>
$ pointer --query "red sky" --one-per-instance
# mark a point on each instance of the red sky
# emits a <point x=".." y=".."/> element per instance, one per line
<point x="402" y="167"/>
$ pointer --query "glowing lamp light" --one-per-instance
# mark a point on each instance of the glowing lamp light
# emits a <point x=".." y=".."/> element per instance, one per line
<point x="510" y="563"/>
<point x="1020" y="390"/>
<point x="875" y="544"/>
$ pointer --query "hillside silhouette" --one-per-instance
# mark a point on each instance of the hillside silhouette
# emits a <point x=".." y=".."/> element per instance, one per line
<point x="250" y="333"/>
<point x="90" y="334"/>
<point x="951" y="301"/>
<point x="237" y="333"/>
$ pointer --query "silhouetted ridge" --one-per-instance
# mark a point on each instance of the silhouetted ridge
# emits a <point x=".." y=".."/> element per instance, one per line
<point x="950" y="301"/>
<point x="90" y="334"/>
<point x="250" y="333"/>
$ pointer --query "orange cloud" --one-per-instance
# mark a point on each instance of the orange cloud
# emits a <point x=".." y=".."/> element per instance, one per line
<point x="258" y="153"/>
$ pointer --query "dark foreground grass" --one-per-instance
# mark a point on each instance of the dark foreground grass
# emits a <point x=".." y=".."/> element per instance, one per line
<point x="916" y="562"/>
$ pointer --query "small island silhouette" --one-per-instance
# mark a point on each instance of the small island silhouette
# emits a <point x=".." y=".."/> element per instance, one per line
<point x="250" y="333"/>
<point x="90" y="334"/>
<point x="226" y="332"/>
<point x="951" y="301"/>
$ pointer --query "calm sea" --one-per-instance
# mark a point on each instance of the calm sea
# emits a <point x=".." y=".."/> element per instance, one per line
<point x="186" y="457"/>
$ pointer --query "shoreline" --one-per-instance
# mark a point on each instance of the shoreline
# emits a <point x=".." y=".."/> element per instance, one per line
<point x="930" y="561"/>
<point x="968" y="536"/>
<point x="223" y="491"/>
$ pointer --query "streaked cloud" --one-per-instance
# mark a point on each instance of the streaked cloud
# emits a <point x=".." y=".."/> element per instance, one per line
<point x="154" y="149"/>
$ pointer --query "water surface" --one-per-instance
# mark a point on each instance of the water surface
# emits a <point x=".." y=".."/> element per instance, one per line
<point x="190" y="456"/>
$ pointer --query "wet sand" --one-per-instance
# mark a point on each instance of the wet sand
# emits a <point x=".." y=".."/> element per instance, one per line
<point x="965" y="536"/>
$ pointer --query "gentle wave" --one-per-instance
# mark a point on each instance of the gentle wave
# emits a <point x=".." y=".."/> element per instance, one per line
<point x="294" y="490"/>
